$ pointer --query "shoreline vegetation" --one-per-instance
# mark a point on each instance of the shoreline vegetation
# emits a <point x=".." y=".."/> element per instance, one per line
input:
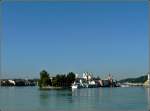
<point x="72" y="80"/>
<point x="140" y="79"/>
<point x="58" y="82"/>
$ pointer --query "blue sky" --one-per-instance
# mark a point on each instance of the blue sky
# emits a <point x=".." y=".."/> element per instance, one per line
<point x="104" y="37"/>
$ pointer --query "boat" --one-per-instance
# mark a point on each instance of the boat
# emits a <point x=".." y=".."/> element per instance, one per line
<point x="77" y="85"/>
<point x="74" y="86"/>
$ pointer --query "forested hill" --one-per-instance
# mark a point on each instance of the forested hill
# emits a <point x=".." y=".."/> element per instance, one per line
<point x="140" y="79"/>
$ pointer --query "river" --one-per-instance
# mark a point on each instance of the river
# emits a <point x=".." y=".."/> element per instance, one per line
<point x="92" y="99"/>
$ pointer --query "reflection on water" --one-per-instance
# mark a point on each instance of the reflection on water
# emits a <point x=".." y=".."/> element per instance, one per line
<point x="84" y="92"/>
<point x="100" y="92"/>
<point x="148" y="94"/>
<point x="90" y="99"/>
<point x="44" y="96"/>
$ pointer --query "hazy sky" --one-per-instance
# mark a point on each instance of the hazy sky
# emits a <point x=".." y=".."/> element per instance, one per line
<point x="104" y="37"/>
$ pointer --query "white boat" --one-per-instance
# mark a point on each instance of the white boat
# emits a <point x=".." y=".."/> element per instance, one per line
<point x="74" y="86"/>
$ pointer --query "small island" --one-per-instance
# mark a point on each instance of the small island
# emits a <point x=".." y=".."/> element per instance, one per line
<point x="58" y="82"/>
<point x="71" y="80"/>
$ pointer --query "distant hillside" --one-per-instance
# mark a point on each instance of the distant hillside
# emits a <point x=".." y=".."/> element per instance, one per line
<point x="140" y="79"/>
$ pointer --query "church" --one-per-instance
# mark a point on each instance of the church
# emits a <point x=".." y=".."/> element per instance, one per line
<point x="147" y="83"/>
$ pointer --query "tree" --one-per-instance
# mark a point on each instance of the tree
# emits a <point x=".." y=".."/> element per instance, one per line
<point x="63" y="80"/>
<point x="70" y="78"/>
<point x="59" y="80"/>
<point x="44" y="79"/>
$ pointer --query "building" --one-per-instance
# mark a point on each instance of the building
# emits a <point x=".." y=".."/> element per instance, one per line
<point x="87" y="76"/>
<point x="148" y="77"/>
<point x="76" y="75"/>
<point x="147" y="83"/>
<point x="12" y="82"/>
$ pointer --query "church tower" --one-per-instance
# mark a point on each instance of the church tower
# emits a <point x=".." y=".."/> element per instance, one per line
<point x="148" y="77"/>
<point x="147" y="83"/>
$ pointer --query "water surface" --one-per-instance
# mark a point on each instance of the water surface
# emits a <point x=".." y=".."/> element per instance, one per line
<point x="94" y="99"/>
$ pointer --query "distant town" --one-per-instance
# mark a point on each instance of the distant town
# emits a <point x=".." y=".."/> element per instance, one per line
<point x="18" y="82"/>
<point x="75" y="81"/>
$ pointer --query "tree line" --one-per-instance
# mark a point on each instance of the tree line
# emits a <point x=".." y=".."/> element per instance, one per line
<point x="60" y="80"/>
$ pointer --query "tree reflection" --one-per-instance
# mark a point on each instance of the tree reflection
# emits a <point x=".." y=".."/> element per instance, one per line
<point x="44" y="97"/>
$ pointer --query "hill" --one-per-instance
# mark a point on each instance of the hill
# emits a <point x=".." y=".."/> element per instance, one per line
<point x="140" y="79"/>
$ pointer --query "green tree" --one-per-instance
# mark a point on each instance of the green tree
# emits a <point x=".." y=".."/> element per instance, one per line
<point x="63" y="80"/>
<point x="44" y="79"/>
<point x="70" y="78"/>
<point x="59" y="80"/>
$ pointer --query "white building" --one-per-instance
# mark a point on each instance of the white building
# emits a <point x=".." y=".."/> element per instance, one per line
<point x="92" y="82"/>
<point x="87" y="76"/>
<point x="76" y="75"/>
<point x="12" y="82"/>
<point x="147" y="83"/>
<point x="149" y="77"/>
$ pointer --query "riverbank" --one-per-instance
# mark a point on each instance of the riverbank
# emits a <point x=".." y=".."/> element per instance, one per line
<point x="18" y="82"/>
